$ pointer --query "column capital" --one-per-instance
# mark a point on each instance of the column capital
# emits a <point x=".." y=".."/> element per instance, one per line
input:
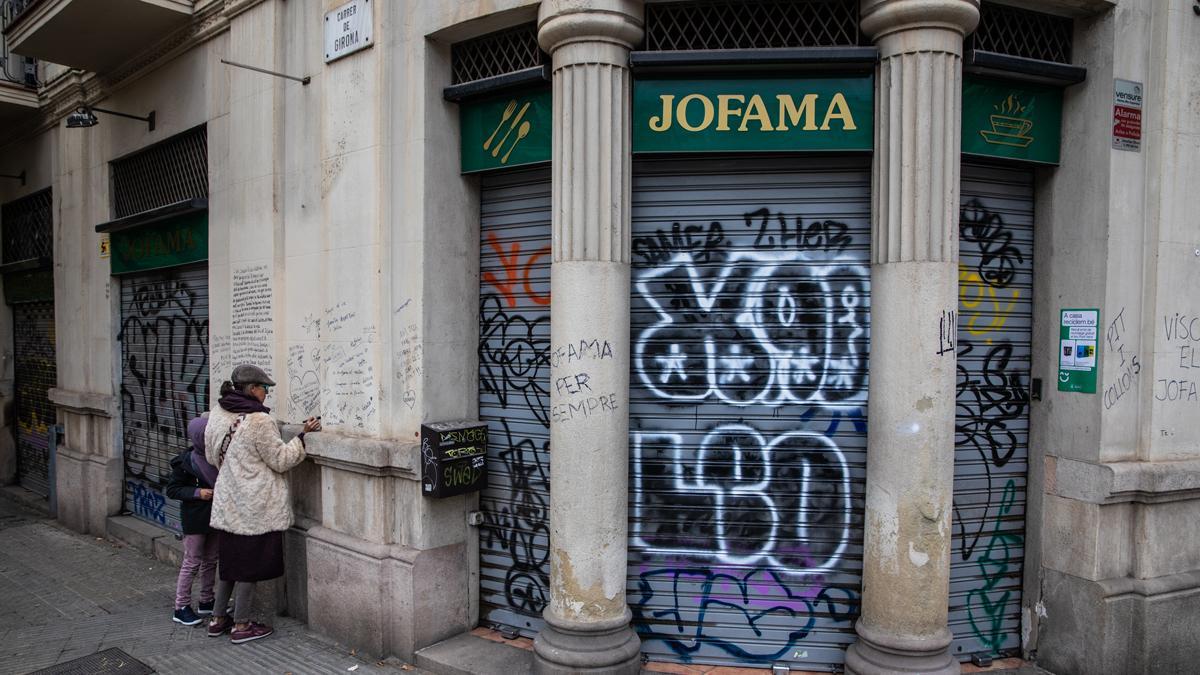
<point x="580" y="30"/>
<point x="941" y="24"/>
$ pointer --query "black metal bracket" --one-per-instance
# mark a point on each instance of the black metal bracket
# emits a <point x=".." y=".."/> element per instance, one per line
<point x="181" y="208"/>
<point x="528" y="77"/>
<point x="816" y="60"/>
<point x="979" y="62"/>
<point x="20" y="177"/>
<point x="302" y="80"/>
<point x="148" y="119"/>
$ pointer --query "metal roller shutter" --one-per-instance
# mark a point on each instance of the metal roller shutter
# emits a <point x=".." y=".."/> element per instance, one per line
<point x="164" y="380"/>
<point x="750" y="319"/>
<point x="36" y="372"/>
<point x="514" y="381"/>
<point x="992" y="420"/>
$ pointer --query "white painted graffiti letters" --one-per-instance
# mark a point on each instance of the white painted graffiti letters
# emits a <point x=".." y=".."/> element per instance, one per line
<point x="767" y="328"/>
<point x="725" y="503"/>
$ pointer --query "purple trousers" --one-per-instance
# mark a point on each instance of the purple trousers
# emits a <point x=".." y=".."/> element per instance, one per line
<point x="200" y="554"/>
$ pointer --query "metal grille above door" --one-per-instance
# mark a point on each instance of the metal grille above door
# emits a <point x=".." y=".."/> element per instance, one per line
<point x="172" y="171"/>
<point x="992" y="420"/>
<point x="164" y="380"/>
<point x="28" y="228"/>
<point x="36" y="372"/>
<point x="514" y="396"/>
<point x="750" y="320"/>
<point x="1021" y="32"/>
<point x="751" y="24"/>
<point x="498" y="53"/>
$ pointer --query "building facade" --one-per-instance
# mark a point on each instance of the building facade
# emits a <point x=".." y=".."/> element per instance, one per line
<point x="828" y="334"/>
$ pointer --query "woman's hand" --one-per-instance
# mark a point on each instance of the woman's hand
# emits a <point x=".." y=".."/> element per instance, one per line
<point x="206" y="494"/>
<point x="312" y="424"/>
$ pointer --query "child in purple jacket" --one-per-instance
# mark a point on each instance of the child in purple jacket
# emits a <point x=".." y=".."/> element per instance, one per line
<point x="192" y="481"/>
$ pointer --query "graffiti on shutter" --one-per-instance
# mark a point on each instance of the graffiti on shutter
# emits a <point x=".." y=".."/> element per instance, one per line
<point x="514" y="397"/>
<point x="164" y="384"/>
<point x="35" y="372"/>
<point x="992" y="419"/>
<point x="750" y="318"/>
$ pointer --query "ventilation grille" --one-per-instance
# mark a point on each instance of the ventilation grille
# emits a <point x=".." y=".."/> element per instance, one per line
<point x="751" y="24"/>
<point x="172" y="171"/>
<point x="1020" y="32"/>
<point x="28" y="232"/>
<point x="506" y="51"/>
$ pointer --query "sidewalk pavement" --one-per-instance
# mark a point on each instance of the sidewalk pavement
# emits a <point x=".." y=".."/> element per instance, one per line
<point x="64" y="595"/>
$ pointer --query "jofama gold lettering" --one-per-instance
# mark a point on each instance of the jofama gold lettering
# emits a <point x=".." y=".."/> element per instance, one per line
<point x="682" y="113"/>
<point x="788" y="112"/>
<point x="698" y="112"/>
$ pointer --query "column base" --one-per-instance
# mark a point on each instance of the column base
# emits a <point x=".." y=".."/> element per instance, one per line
<point x="610" y="647"/>
<point x="877" y="653"/>
<point x="89" y="489"/>
<point x="383" y="599"/>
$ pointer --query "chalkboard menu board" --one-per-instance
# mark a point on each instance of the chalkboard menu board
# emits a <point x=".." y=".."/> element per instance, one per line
<point x="453" y="458"/>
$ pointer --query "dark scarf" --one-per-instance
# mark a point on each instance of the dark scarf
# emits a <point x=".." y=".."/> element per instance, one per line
<point x="238" y="402"/>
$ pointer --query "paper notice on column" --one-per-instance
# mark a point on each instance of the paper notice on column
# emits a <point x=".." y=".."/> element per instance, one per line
<point x="253" y="332"/>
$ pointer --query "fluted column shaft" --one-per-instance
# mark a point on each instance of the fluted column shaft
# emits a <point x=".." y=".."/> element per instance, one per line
<point x="587" y="616"/>
<point x="914" y="301"/>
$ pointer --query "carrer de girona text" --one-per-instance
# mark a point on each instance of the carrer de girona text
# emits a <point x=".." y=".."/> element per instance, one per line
<point x="729" y="108"/>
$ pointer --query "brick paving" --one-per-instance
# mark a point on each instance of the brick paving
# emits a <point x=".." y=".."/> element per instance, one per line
<point x="64" y="596"/>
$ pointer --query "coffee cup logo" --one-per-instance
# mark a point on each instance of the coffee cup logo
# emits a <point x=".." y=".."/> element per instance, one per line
<point x="1008" y="128"/>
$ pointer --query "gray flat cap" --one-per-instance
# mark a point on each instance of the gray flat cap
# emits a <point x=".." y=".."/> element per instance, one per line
<point x="248" y="374"/>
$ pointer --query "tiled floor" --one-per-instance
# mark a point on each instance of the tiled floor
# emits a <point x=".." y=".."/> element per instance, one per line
<point x="64" y="596"/>
<point x="999" y="666"/>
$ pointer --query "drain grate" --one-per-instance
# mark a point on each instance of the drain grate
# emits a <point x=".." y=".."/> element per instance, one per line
<point x="101" y="663"/>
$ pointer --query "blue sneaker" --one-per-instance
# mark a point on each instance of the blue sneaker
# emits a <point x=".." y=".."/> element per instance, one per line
<point x="186" y="617"/>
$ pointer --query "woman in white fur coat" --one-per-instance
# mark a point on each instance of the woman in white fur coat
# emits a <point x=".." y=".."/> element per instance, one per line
<point x="251" y="506"/>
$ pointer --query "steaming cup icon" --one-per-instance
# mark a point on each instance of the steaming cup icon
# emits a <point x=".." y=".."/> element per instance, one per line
<point x="1008" y="130"/>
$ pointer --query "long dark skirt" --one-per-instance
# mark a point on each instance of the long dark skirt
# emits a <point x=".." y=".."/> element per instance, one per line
<point x="256" y="557"/>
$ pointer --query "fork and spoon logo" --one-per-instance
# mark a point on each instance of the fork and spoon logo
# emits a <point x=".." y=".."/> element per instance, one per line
<point x="522" y="130"/>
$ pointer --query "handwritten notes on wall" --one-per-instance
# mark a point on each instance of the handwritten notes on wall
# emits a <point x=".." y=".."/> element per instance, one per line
<point x="220" y="359"/>
<point x="304" y="381"/>
<point x="330" y="362"/>
<point x="351" y="397"/>
<point x="253" y="333"/>
<point x="331" y="372"/>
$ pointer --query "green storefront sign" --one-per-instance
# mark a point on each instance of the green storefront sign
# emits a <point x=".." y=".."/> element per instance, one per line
<point x="753" y="115"/>
<point x="1016" y="121"/>
<point x="1011" y="120"/>
<point x="178" y="241"/>
<point x="29" y="286"/>
<point x="506" y="131"/>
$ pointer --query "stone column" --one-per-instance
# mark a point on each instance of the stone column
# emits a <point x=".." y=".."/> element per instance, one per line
<point x="587" y="620"/>
<point x="914" y="301"/>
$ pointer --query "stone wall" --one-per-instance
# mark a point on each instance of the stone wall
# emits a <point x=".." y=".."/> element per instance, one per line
<point x="1121" y="469"/>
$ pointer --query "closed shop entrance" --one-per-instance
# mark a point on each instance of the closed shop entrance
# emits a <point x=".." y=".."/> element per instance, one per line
<point x="159" y="255"/>
<point x="35" y="373"/>
<point x="995" y="285"/>
<point x="514" y="398"/>
<point x="750" y="319"/>
<point x="164" y="380"/>
<point x="29" y="291"/>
